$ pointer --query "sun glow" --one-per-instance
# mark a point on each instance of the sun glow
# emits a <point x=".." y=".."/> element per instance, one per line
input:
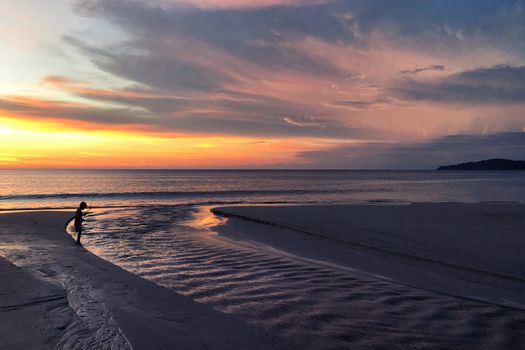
<point x="29" y="144"/>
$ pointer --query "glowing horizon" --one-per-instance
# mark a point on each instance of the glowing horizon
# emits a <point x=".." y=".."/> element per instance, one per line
<point x="74" y="148"/>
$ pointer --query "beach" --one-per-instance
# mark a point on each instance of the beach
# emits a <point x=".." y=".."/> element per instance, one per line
<point x="478" y="241"/>
<point x="262" y="174"/>
<point x="413" y="276"/>
<point x="58" y="295"/>
<point x="443" y="265"/>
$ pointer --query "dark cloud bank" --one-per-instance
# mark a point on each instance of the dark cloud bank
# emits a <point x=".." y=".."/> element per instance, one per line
<point x="427" y="155"/>
<point x="494" y="85"/>
<point x="261" y="36"/>
<point x="187" y="52"/>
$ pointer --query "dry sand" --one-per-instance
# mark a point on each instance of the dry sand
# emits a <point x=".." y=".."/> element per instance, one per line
<point x="61" y="296"/>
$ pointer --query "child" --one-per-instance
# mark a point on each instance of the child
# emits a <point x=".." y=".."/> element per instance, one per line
<point x="78" y="220"/>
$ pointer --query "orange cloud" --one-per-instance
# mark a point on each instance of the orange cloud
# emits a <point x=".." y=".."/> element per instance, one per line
<point x="79" y="88"/>
<point x="64" y="114"/>
<point x="41" y="104"/>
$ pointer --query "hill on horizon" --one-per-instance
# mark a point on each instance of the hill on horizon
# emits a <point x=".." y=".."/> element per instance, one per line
<point x="488" y="164"/>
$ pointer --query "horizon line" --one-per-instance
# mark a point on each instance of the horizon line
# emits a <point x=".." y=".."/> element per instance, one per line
<point x="229" y="169"/>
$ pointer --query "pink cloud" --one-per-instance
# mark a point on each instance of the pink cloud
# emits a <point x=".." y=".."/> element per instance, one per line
<point x="238" y="4"/>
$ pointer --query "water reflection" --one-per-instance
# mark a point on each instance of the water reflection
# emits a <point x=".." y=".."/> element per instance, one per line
<point x="315" y="307"/>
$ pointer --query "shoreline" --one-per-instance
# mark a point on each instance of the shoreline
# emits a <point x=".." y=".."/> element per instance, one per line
<point x="316" y="289"/>
<point x="100" y="304"/>
<point x="288" y="230"/>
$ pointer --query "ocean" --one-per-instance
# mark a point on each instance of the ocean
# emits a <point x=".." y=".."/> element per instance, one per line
<point x="155" y="223"/>
<point x="134" y="188"/>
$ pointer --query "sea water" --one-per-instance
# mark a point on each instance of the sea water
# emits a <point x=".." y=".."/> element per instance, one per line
<point x="125" y="188"/>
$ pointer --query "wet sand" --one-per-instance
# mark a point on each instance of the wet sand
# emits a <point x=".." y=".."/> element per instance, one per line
<point x="451" y="273"/>
<point x="58" y="295"/>
<point x="485" y="240"/>
<point x="305" y="275"/>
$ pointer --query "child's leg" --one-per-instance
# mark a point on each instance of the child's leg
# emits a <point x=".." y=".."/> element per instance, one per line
<point x="79" y="233"/>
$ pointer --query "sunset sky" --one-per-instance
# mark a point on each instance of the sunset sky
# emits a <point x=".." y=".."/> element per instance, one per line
<point x="260" y="83"/>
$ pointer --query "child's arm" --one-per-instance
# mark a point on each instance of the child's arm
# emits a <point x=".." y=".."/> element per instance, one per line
<point x="86" y="214"/>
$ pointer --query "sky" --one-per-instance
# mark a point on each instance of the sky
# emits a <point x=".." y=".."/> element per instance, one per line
<point x="374" y="84"/>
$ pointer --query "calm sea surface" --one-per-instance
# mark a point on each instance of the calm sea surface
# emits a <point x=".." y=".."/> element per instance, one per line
<point x="116" y="188"/>
<point x="153" y="223"/>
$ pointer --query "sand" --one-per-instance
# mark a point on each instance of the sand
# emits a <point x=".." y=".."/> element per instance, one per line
<point x="441" y="275"/>
<point x="421" y="276"/>
<point x="481" y="242"/>
<point x="61" y="296"/>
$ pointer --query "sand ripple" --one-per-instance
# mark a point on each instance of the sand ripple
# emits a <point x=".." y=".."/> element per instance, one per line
<point x="312" y="306"/>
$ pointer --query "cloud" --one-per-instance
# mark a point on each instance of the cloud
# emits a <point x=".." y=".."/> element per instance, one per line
<point x="222" y="111"/>
<point x="435" y="67"/>
<point x="236" y="4"/>
<point x="379" y="102"/>
<point x="498" y="84"/>
<point x="159" y="65"/>
<point x="306" y="122"/>
<point x="151" y="100"/>
<point x="179" y="78"/>
<point x="181" y="39"/>
<point x="445" y="24"/>
<point x="285" y="68"/>
<point x="210" y="124"/>
<point x="192" y="122"/>
<point x="42" y="110"/>
<point x="420" y="155"/>
<point x="206" y="48"/>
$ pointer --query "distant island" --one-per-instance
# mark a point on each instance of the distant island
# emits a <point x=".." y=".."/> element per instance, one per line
<point x="489" y="164"/>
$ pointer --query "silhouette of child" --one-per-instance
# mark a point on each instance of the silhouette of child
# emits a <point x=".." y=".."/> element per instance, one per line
<point x="79" y="217"/>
